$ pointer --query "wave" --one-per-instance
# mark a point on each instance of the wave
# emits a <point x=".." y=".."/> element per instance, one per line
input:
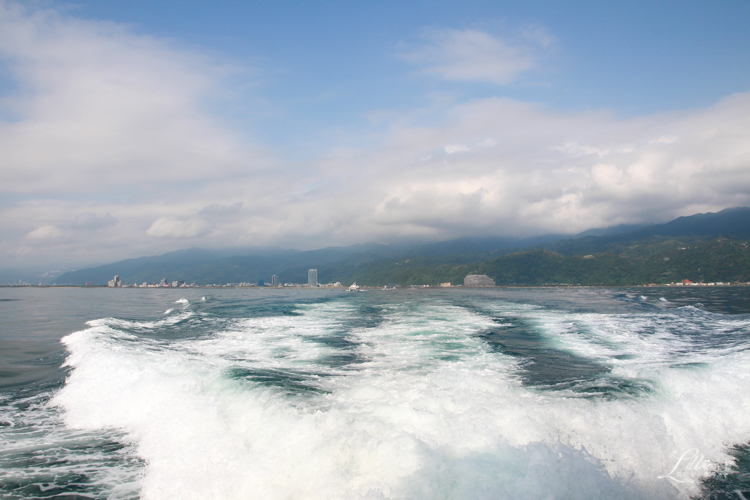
<point x="392" y="398"/>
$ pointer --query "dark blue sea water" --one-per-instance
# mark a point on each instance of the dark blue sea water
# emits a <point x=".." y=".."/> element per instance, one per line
<point x="407" y="394"/>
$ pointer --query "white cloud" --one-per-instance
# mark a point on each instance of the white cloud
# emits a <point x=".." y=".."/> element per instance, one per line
<point x="169" y="227"/>
<point x="44" y="233"/>
<point x="100" y="109"/>
<point x="109" y="122"/>
<point x="541" y="171"/>
<point x="89" y="220"/>
<point x="472" y="55"/>
<point x="463" y="148"/>
<point x="456" y="148"/>
<point x="544" y="172"/>
<point x="217" y="210"/>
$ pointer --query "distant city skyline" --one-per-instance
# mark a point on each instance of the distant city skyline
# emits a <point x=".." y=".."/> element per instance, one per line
<point x="131" y="129"/>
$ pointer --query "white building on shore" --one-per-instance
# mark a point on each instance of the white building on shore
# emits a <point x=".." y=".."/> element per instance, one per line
<point x="478" y="280"/>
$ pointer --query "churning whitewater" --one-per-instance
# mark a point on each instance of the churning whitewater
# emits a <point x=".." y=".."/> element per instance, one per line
<point x="596" y="393"/>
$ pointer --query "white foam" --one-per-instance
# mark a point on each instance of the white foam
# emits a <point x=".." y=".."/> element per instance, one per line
<point x="140" y="326"/>
<point x="38" y="451"/>
<point x="430" y="413"/>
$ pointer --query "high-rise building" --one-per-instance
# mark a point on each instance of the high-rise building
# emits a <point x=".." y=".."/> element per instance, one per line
<point x="274" y="280"/>
<point x="478" y="280"/>
<point x="312" y="277"/>
<point x="115" y="283"/>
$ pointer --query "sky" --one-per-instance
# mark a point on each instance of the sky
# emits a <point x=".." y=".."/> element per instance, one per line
<point x="141" y="127"/>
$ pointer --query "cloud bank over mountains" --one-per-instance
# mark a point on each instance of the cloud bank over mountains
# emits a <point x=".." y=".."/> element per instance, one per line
<point x="112" y="147"/>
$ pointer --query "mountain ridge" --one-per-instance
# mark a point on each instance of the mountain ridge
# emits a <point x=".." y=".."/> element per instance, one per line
<point x="204" y="266"/>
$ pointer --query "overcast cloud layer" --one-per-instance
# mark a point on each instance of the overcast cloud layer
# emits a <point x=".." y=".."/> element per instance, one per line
<point x="110" y="149"/>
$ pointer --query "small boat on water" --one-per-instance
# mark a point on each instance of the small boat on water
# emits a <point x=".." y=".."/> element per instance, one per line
<point x="353" y="288"/>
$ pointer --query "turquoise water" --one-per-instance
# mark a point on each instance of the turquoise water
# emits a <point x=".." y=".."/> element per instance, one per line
<point x="497" y="393"/>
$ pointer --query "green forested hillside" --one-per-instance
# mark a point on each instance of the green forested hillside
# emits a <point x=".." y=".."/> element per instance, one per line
<point x="656" y="261"/>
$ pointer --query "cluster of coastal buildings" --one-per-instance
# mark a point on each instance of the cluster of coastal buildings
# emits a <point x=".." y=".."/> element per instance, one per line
<point x="472" y="280"/>
<point x="117" y="283"/>
<point x="700" y="283"/>
<point x="312" y="281"/>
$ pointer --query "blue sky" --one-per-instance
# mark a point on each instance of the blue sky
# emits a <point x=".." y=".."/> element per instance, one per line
<point x="142" y="127"/>
<point x="331" y="63"/>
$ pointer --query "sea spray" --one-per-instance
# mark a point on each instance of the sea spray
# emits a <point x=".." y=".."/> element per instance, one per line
<point x="421" y="406"/>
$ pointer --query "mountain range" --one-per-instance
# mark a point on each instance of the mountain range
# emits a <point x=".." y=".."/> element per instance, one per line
<point x="616" y="255"/>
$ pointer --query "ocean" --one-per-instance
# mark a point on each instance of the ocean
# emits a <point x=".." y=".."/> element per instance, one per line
<point x="526" y="393"/>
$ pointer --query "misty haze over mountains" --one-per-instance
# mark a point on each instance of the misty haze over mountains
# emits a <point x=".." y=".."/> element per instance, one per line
<point x="233" y="265"/>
